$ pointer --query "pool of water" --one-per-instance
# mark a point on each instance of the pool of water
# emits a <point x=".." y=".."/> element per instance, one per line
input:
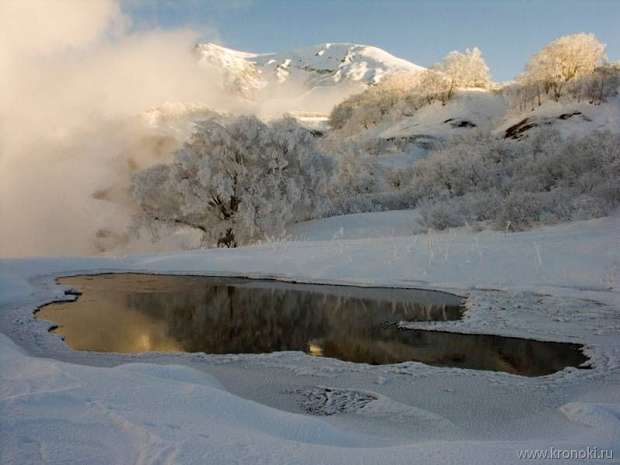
<point x="154" y="313"/>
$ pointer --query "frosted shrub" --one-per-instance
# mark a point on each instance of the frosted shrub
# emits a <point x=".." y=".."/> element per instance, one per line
<point x="368" y="108"/>
<point x="514" y="185"/>
<point x="584" y="207"/>
<point x="469" y="209"/>
<point x="470" y="165"/>
<point x="520" y="210"/>
<point x="454" y="171"/>
<point x="362" y="184"/>
<point x="358" y="174"/>
<point x="441" y="214"/>
<point x="580" y="164"/>
<point x="237" y="181"/>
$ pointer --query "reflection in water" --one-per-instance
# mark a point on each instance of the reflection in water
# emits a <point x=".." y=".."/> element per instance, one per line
<point x="140" y="313"/>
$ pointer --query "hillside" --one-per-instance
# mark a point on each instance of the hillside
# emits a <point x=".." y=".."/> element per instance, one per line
<point x="484" y="111"/>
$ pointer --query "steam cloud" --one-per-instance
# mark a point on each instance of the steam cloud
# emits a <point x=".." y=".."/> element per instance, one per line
<point x="73" y="75"/>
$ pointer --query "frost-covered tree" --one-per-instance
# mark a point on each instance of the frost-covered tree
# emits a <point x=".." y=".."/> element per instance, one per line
<point x="567" y="57"/>
<point x="465" y="69"/>
<point x="596" y="87"/>
<point x="563" y="60"/>
<point x="237" y="180"/>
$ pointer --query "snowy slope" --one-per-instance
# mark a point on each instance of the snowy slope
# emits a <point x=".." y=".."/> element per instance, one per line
<point x="468" y="109"/>
<point x="472" y="110"/>
<point x="489" y="111"/>
<point x="240" y="74"/>
<point x="571" y="119"/>
<point x="150" y="409"/>
<point x="61" y="413"/>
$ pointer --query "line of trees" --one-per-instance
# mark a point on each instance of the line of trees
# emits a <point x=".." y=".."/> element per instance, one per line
<point x="572" y="67"/>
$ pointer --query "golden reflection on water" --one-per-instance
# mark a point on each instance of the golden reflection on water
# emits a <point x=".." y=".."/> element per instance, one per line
<point x="108" y="324"/>
<point x="315" y="349"/>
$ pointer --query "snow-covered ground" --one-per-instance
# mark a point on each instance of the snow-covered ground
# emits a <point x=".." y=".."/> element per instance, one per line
<point x="470" y="108"/>
<point x="555" y="283"/>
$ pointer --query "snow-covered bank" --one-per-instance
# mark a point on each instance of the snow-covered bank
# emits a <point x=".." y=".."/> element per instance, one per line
<point x="53" y="412"/>
<point x="569" y="258"/>
<point x="238" y="409"/>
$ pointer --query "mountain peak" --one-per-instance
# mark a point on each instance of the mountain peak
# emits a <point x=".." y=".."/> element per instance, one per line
<point x="336" y="62"/>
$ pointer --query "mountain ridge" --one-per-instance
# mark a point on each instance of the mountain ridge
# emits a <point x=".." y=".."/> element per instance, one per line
<point x="340" y="65"/>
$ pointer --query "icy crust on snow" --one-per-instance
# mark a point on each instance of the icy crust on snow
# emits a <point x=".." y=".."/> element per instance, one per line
<point x="554" y="283"/>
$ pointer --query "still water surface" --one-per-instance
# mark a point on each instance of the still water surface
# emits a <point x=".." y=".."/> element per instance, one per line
<point x="143" y="313"/>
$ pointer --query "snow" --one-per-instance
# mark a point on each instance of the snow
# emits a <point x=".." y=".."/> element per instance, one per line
<point x="583" y="118"/>
<point x="553" y="283"/>
<point x="330" y="63"/>
<point x="235" y="65"/>
<point x="358" y="226"/>
<point x="65" y="413"/>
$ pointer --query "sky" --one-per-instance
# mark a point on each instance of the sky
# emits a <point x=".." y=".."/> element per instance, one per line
<point x="422" y="31"/>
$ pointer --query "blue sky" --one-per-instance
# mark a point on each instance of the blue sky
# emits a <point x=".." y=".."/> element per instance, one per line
<point x="507" y="31"/>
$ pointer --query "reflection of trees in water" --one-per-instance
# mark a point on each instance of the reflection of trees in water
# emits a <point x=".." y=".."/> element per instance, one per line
<point x="228" y="319"/>
<point x="475" y="351"/>
<point x="136" y="313"/>
<point x="224" y="319"/>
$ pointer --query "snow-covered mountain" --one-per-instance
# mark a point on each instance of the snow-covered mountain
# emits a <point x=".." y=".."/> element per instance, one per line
<point x="339" y="66"/>
<point x="330" y="64"/>
<point x="239" y="72"/>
